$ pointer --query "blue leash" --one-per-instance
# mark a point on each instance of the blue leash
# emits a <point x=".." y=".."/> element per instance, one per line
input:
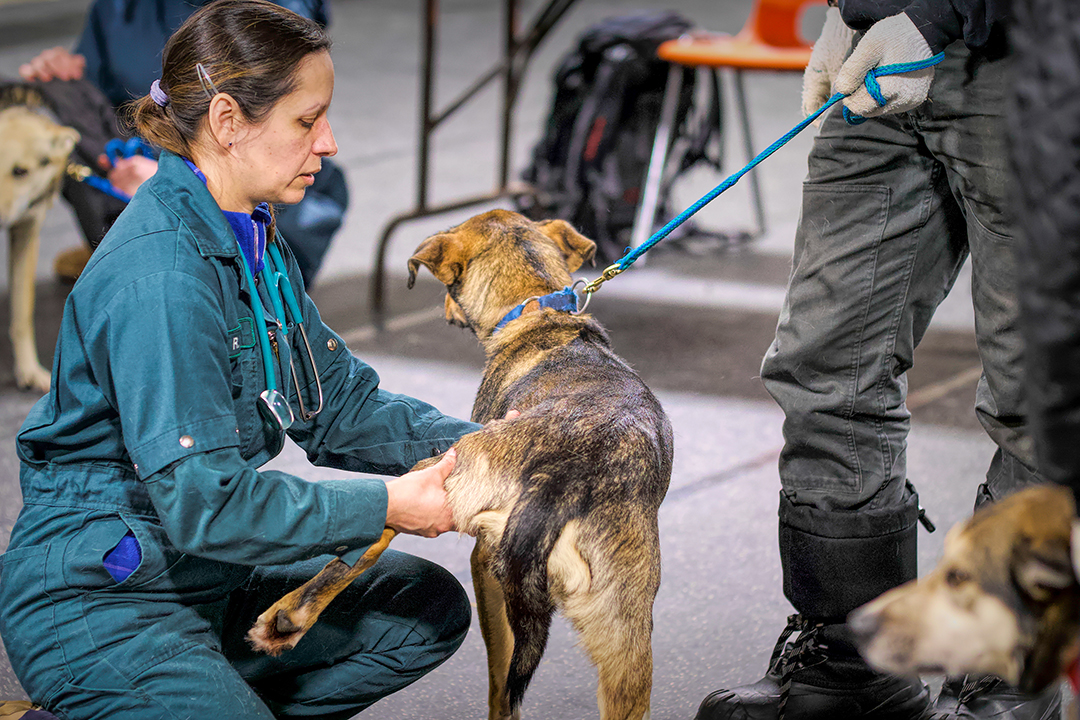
<point x="872" y="87"/>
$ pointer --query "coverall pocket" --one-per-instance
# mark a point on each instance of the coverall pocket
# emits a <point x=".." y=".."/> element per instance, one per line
<point x="27" y="621"/>
<point x="246" y="379"/>
<point x="85" y="564"/>
<point x="101" y="688"/>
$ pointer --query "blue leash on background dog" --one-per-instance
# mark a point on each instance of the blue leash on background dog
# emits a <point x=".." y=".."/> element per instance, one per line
<point x="114" y="150"/>
<point x="872" y="87"/>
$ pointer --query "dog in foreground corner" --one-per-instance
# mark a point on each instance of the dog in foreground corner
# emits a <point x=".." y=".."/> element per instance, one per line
<point x="563" y="498"/>
<point x="1004" y="600"/>
<point x="33" y="156"/>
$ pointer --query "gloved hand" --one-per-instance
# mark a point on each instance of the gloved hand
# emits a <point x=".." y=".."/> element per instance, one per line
<point x="892" y="40"/>
<point x="825" y="60"/>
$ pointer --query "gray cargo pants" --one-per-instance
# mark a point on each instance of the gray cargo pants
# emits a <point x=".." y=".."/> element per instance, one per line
<point x="891" y="210"/>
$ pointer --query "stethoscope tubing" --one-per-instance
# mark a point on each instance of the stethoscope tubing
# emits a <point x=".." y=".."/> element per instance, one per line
<point x="278" y="287"/>
<point x="260" y="325"/>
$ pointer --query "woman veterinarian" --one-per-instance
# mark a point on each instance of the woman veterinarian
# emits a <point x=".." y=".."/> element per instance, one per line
<point x="149" y="542"/>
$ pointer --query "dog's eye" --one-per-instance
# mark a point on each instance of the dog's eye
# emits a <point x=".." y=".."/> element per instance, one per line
<point x="19" y="171"/>
<point x="43" y="161"/>
<point x="955" y="577"/>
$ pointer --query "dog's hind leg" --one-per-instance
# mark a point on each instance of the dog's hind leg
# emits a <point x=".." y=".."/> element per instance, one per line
<point x="491" y="610"/>
<point x="286" y="621"/>
<point x="22" y="262"/>
<point x="611" y="608"/>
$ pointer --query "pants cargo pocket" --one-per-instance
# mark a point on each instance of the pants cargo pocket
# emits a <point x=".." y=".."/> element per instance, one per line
<point x="27" y="622"/>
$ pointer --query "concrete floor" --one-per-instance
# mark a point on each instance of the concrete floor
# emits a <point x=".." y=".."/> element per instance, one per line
<point x="694" y="323"/>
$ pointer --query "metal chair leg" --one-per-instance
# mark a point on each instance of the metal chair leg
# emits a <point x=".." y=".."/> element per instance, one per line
<point x="654" y="177"/>
<point x="755" y="189"/>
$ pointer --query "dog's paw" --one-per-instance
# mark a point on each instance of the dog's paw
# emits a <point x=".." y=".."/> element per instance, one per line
<point x="277" y="630"/>
<point x="33" y="378"/>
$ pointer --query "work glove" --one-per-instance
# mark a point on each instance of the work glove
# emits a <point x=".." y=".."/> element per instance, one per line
<point x="892" y="40"/>
<point x="825" y="60"/>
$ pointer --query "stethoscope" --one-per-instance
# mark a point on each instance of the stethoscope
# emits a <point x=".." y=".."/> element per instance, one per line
<point x="273" y="405"/>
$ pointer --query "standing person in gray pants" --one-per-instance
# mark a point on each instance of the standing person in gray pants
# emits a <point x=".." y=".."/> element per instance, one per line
<point x="892" y="207"/>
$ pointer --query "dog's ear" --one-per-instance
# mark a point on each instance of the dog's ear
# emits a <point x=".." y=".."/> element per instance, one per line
<point x="443" y="255"/>
<point x="1042" y="570"/>
<point x="65" y="141"/>
<point x="575" y="247"/>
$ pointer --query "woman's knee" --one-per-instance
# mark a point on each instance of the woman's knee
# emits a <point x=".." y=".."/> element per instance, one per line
<point x="447" y="612"/>
<point x="423" y="594"/>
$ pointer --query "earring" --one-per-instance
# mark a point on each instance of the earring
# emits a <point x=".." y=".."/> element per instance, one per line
<point x="230" y="144"/>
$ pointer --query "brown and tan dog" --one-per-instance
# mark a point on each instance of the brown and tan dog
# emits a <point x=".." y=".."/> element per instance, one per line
<point x="562" y="499"/>
<point x="33" y="156"/>
<point x="1003" y="601"/>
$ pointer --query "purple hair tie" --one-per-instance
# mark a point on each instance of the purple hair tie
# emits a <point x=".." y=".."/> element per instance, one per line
<point x="157" y="94"/>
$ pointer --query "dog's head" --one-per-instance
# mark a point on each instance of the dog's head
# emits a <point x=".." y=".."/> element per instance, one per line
<point x="1003" y="600"/>
<point x="33" y="156"/>
<point x="493" y="262"/>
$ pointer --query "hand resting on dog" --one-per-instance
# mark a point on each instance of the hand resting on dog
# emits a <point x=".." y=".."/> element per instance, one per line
<point x="416" y="501"/>
<point x="55" y="63"/>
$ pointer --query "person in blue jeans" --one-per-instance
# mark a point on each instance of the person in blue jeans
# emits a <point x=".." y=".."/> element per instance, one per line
<point x="149" y="540"/>
<point x="119" y="53"/>
<point x="892" y="206"/>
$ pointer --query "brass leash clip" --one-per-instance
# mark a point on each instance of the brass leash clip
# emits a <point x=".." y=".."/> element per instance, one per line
<point x="590" y="287"/>
<point x="78" y="172"/>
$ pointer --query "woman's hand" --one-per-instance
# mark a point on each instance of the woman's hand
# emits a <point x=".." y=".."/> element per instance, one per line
<point x="416" y="501"/>
<point x="58" y="62"/>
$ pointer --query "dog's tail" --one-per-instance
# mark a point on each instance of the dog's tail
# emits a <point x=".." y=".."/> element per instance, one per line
<point x="531" y="531"/>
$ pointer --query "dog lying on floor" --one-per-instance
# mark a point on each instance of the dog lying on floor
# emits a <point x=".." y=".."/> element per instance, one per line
<point x="562" y="499"/>
<point x="33" y="157"/>
<point x="1004" y="599"/>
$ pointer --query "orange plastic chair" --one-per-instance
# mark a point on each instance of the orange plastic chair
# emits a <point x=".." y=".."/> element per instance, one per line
<point x="771" y="41"/>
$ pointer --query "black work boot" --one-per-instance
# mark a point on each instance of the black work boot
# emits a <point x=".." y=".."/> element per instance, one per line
<point x="833" y="562"/>
<point x="968" y="698"/>
<point x="819" y="675"/>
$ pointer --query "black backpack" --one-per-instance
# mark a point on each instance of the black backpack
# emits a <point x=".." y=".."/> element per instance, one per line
<point x="589" y="167"/>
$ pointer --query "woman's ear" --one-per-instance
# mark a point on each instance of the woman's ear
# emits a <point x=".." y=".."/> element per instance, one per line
<point x="225" y="118"/>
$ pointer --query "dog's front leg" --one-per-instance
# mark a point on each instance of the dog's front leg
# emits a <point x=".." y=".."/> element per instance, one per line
<point x="286" y="621"/>
<point x="22" y="268"/>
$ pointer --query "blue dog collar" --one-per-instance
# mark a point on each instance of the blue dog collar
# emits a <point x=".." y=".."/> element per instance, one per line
<point x="564" y="300"/>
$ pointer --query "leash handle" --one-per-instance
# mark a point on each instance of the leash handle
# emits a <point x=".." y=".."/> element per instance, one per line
<point x="872" y="87"/>
<point x="116" y="149"/>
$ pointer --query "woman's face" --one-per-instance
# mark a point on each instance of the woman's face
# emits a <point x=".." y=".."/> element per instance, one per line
<point x="278" y="157"/>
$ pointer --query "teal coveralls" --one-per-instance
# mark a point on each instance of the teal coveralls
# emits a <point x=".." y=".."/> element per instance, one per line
<point x="151" y="428"/>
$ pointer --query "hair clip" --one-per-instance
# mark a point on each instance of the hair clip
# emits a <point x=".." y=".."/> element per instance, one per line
<point x="158" y="95"/>
<point x="204" y="79"/>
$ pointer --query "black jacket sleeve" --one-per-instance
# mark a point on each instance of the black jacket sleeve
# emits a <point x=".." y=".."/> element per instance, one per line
<point x="977" y="22"/>
<point x="1045" y="141"/>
